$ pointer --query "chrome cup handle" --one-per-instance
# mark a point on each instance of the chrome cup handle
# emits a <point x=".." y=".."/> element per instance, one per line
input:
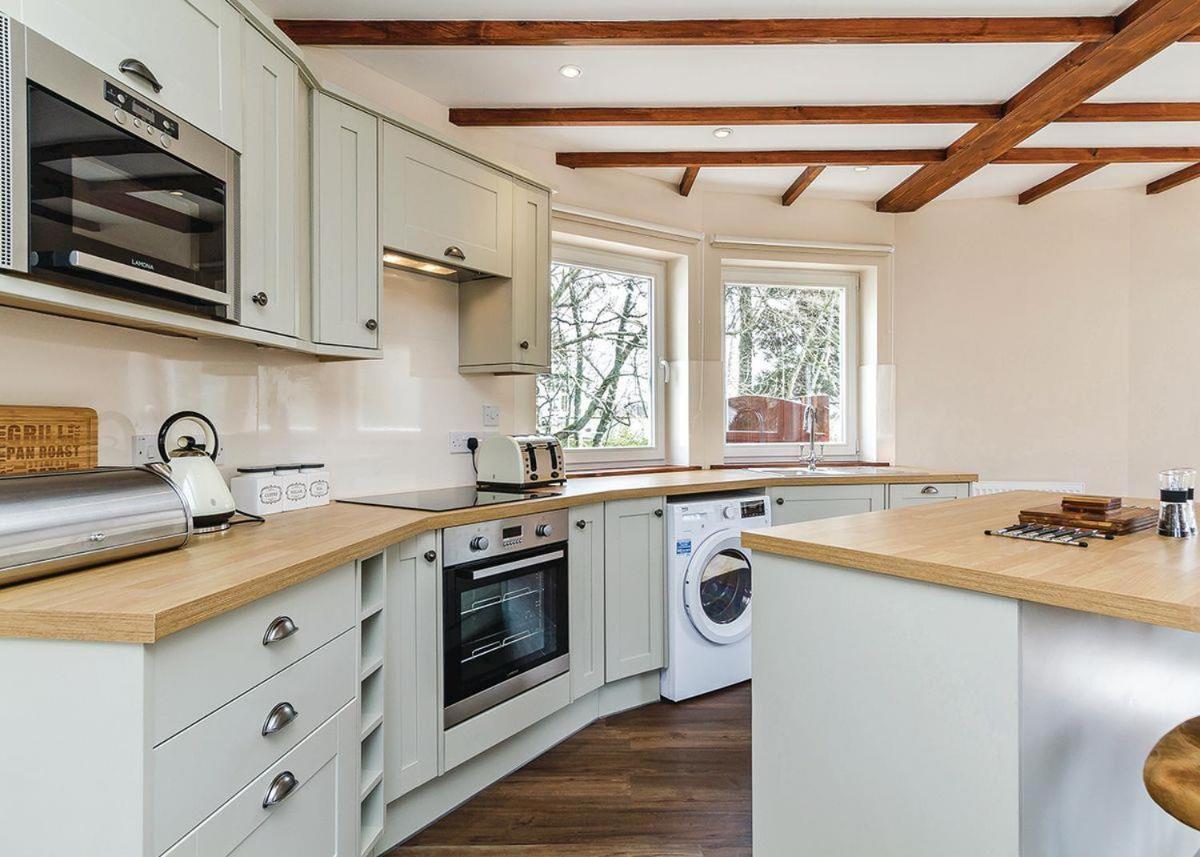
<point x="281" y="715"/>
<point x="282" y="786"/>
<point x="280" y="629"/>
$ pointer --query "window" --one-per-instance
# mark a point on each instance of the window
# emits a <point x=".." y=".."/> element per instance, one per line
<point x="789" y="346"/>
<point x="602" y="397"/>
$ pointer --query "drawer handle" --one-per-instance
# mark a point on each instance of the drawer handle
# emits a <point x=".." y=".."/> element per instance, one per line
<point x="137" y="68"/>
<point x="282" y="786"/>
<point x="282" y="628"/>
<point x="455" y="253"/>
<point x="281" y="715"/>
<point x="929" y="489"/>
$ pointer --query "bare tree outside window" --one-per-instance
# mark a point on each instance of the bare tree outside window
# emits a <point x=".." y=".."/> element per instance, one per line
<point x="783" y="354"/>
<point x="599" y="392"/>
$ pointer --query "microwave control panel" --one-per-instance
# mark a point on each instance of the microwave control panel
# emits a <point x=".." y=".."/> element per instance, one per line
<point x="151" y="117"/>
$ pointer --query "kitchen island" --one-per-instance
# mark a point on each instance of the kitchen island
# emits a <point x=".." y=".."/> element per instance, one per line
<point x="921" y="688"/>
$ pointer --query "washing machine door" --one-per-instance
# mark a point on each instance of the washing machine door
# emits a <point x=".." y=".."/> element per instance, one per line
<point x="716" y="589"/>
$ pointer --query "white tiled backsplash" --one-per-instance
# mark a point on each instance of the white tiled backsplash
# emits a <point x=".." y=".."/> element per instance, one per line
<point x="381" y="424"/>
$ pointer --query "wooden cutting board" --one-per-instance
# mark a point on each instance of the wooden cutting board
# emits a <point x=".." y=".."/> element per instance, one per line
<point x="1118" y="522"/>
<point x="37" y="439"/>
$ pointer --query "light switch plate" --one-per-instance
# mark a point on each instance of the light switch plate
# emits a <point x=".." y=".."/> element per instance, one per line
<point x="491" y="416"/>
<point x="145" y="449"/>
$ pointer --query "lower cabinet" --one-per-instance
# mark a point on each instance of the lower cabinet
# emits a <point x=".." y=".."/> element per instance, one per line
<point x="901" y="496"/>
<point x="413" y="666"/>
<point x="791" y="504"/>
<point x="634" y="566"/>
<point x="585" y="587"/>
<point x="304" y="805"/>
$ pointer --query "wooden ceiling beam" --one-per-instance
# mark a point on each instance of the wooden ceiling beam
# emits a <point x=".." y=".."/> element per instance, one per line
<point x="758" y="158"/>
<point x="1145" y="29"/>
<point x="822" y="114"/>
<point x="800" y="185"/>
<point x="689" y="179"/>
<point x="874" y="157"/>
<point x="1057" y="182"/>
<point x="1185" y="175"/>
<point x="728" y="31"/>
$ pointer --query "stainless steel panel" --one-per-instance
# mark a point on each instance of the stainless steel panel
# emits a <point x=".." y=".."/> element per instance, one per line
<point x="56" y="522"/>
<point x="91" y="262"/>
<point x="457" y="541"/>
<point x="505" y="690"/>
<point x="14" y="189"/>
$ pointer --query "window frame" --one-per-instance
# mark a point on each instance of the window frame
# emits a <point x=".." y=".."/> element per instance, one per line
<point x="799" y="277"/>
<point x="640" y="266"/>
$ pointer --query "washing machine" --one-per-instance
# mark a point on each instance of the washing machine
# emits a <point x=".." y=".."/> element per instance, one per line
<point x="708" y="591"/>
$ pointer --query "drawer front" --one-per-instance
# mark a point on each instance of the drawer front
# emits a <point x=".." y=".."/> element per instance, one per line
<point x="317" y="818"/>
<point x="486" y="730"/>
<point x="198" y="769"/>
<point x="917" y="494"/>
<point x="199" y="669"/>
<point x="798" y="503"/>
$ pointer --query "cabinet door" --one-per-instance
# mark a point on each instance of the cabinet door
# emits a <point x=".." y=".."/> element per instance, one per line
<point x="190" y="46"/>
<point x="585" y="589"/>
<point x="794" y="503"/>
<point x="634" y="624"/>
<point x="412" y="711"/>
<point x="346" y="226"/>
<point x="444" y="206"/>
<point x="901" y="496"/>
<point x="531" y="276"/>
<point x="269" y="179"/>
<point x="317" y="818"/>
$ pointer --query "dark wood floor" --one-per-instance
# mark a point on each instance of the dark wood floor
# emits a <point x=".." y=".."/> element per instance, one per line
<point x="667" y="780"/>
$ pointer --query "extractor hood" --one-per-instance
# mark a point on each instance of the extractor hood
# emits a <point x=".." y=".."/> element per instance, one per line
<point x="440" y="270"/>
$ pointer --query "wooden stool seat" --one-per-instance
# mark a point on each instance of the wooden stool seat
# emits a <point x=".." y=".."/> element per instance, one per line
<point x="1172" y="772"/>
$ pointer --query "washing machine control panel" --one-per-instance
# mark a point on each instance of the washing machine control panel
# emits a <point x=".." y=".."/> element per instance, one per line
<point x="754" y="508"/>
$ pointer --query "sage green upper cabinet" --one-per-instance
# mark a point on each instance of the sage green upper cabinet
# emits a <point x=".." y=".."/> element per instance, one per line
<point x="634" y="588"/>
<point x="270" y="178"/>
<point x="504" y="324"/>
<point x="347" y="261"/>
<point x="191" y="47"/>
<point x="443" y="206"/>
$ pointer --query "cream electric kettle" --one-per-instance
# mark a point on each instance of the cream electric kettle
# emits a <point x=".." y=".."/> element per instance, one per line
<point x="192" y="463"/>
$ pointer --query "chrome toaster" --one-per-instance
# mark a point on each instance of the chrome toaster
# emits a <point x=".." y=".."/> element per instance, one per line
<point x="520" y="461"/>
<point x="56" y="522"/>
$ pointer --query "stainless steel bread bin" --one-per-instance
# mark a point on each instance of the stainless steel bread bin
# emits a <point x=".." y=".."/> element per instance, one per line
<point x="56" y="522"/>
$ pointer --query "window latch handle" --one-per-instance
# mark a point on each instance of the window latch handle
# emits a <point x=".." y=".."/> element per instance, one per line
<point x="666" y="371"/>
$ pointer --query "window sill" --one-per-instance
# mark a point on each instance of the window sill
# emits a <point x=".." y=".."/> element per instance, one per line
<point x="742" y="465"/>
<point x="633" y="470"/>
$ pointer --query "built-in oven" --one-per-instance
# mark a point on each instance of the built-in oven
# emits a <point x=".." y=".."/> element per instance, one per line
<point x="505" y="610"/>
<point x="112" y="193"/>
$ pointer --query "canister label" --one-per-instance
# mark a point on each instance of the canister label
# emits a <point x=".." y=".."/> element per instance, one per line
<point x="270" y="494"/>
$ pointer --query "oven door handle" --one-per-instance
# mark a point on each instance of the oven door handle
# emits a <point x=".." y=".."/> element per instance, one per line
<point x="99" y="265"/>
<point x="516" y="565"/>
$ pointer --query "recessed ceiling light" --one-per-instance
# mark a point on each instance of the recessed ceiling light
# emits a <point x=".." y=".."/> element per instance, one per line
<point x="861" y="169"/>
<point x="571" y="71"/>
<point x="722" y="133"/>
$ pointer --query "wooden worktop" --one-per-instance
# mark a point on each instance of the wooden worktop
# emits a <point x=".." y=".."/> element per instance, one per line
<point x="1143" y="577"/>
<point x="145" y="599"/>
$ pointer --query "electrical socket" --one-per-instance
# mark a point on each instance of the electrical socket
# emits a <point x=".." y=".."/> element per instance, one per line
<point x="491" y="415"/>
<point x="458" y="441"/>
<point x="145" y="449"/>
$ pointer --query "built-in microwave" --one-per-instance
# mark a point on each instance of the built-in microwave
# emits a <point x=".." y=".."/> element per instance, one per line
<point x="107" y="192"/>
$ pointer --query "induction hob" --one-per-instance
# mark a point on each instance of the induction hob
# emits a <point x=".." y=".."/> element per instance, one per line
<point x="444" y="499"/>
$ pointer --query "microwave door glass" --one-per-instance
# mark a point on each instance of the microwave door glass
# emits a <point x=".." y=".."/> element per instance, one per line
<point x="111" y="193"/>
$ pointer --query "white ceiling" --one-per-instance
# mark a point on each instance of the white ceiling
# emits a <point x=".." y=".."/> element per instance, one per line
<point x="801" y="74"/>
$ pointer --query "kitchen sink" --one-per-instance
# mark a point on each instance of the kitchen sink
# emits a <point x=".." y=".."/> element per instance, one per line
<point x="793" y="472"/>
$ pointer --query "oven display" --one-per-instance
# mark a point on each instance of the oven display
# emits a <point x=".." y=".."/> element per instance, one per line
<point x="154" y="118"/>
<point x="510" y="536"/>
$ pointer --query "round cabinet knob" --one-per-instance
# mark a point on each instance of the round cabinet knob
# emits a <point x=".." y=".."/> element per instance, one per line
<point x="524" y="344"/>
<point x="430" y="556"/>
<point x="778" y="501"/>
<point x="260" y="299"/>
<point x="658" y="513"/>
<point x="581" y="524"/>
<point x="480" y="543"/>
<point x="544" y="530"/>
<point x="371" y="324"/>
<point x="727" y="513"/>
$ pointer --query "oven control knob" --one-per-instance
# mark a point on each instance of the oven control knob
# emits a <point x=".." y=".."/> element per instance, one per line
<point x="119" y="115"/>
<point x="479" y="543"/>
<point x="544" y="530"/>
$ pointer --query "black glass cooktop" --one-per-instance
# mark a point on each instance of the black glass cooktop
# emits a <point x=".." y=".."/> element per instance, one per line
<point x="444" y="499"/>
